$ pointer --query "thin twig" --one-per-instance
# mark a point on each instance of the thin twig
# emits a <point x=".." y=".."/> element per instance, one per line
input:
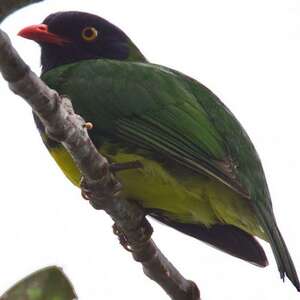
<point x="63" y="125"/>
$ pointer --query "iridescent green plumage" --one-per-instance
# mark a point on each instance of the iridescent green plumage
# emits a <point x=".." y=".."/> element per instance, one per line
<point x="199" y="165"/>
<point x="201" y="174"/>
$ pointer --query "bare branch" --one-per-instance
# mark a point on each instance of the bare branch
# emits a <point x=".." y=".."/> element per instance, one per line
<point x="63" y="125"/>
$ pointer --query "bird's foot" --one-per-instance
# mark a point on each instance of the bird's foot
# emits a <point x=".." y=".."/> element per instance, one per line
<point x="122" y="238"/>
<point x="98" y="193"/>
<point x="91" y="191"/>
<point x="145" y="231"/>
<point x="86" y="191"/>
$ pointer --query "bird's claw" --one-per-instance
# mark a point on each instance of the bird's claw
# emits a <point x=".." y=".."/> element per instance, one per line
<point x="122" y="238"/>
<point x="146" y="230"/>
<point x="86" y="193"/>
<point x="98" y="195"/>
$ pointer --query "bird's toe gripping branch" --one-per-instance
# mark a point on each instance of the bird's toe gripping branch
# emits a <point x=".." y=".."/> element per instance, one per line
<point x="124" y="240"/>
<point x="90" y="191"/>
<point x="99" y="200"/>
<point x="122" y="237"/>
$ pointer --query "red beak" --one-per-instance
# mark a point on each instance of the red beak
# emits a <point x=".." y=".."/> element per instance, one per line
<point x="40" y="33"/>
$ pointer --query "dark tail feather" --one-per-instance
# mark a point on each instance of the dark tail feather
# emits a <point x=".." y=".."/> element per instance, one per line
<point x="227" y="238"/>
<point x="280" y="250"/>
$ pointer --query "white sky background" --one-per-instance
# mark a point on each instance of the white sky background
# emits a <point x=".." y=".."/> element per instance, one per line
<point x="248" y="53"/>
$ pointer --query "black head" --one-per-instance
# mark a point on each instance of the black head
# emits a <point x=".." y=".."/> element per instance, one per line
<point x="67" y="37"/>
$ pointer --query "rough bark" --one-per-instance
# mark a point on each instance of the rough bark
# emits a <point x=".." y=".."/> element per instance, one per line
<point x="100" y="184"/>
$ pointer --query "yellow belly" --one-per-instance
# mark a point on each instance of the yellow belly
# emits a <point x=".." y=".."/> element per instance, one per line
<point x="190" y="198"/>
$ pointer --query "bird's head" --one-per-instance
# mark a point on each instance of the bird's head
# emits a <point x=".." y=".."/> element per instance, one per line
<point x="67" y="37"/>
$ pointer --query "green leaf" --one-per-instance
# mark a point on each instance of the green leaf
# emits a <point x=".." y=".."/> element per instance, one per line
<point x="47" y="284"/>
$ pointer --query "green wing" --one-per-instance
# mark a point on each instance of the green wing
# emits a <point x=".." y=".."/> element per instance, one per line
<point x="151" y="107"/>
<point x="170" y="114"/>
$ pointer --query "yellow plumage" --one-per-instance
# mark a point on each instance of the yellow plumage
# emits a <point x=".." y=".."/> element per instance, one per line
<point x="192" y="198"/>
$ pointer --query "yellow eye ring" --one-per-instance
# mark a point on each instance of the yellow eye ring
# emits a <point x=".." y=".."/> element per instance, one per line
<point x="89" y="34"/>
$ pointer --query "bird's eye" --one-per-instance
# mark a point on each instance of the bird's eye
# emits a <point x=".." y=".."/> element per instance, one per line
<point x="89" y="34"/>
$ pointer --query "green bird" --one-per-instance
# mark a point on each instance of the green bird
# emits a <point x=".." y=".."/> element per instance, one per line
<point x="201" y="174"/>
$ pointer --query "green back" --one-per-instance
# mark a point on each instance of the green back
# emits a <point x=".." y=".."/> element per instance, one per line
<point x="165" y="112"/>
<point x="171" y="117"/>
